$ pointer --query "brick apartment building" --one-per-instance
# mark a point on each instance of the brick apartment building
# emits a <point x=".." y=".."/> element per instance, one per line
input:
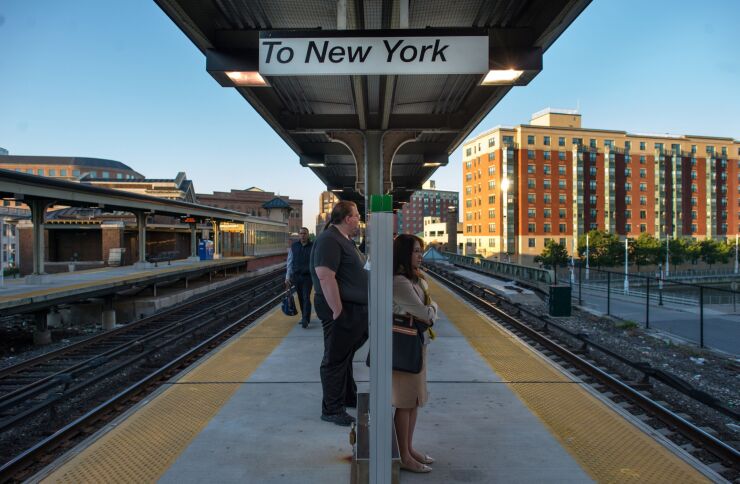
<point x="427" y="202"/>
<point x="251" y="201"/>
<point x="553" y="179"/>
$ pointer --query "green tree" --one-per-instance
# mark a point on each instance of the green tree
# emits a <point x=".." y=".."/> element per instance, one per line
<point x="646" y="250"/>
<point x="691" y="251"/>
<point x="553" y="255"/>
<point x="679" y="251"/>
<point x="713" y="251"/>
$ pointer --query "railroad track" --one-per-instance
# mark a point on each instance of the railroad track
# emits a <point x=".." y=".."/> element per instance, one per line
<point x="69" y="381"/>
<point x="538" y="332"/>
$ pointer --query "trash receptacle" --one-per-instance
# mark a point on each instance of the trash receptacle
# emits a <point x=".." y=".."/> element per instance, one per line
<point x="559" y="300"/>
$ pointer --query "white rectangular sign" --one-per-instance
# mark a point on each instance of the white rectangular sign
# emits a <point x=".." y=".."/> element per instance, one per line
<point x="301" y="56"/>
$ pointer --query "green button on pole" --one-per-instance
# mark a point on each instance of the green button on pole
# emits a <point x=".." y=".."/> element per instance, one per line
<point x="381" y="203"/>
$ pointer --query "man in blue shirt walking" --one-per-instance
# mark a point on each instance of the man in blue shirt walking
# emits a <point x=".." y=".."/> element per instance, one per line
<point x="299" y="274"/>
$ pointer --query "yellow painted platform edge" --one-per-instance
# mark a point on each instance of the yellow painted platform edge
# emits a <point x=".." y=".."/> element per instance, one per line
<point x="61" y="470"/>
<point x="598" y="475"/>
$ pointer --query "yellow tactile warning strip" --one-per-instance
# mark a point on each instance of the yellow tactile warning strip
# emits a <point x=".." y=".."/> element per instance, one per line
<point x="146" y="444"/>
<point x="112" y="280"/>
<point x="605" y="445"/>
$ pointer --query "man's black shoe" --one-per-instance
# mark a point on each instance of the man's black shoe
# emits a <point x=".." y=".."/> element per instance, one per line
<point x="304" y="324"/>
<point x="344" y="419"/>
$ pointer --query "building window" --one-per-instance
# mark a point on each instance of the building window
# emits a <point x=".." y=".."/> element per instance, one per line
<point x="628" y="228"/>
<point x="592" y="171"/>
<point x="491" y="142"/>
<point x="592" y="199"/>
<point x="547" y="169"/>
<point x="468" y="176"/>
<point x="530" y="197"/>
<point x="508" y="140"/>
<point x="530" y="169"/>
<point x="609" y="143"/>
<point x="561" y="155"/>
<point x="628" y="200"/>
<point x="491" y="213"/>
<point x="628" y="214"/>
<point x="491" y="227"/>
<point x="491" y="156"/>
<point x="40" y="171"/>
<point x="63" y="172"/>
<point x="643" y="214"/>
<point x="693" y="228"/>
<point x="593" y="226"/>
<point x="643" y="187"/>
<point x="491" y="184"/>
<point x="548" y="228"/>
<point x="491" y="198"/>
<point x="561" y="213"/>
<point x="468" y="190"/>
<point x="546" y="140"/>
<point x="530" y="183"/>
<point x="693" y="215"/>
<point x="592" y="213"/>
<point x="592" y="185"/>
<point x="561" y="184"/>
<point x="643" y="173"/>
<point x="627" y="172"/>
<point x="561" y="228"/>
<point x="642" y="159"/>
<point x="119" y="176"/>
<point x="468" y="152"/>
<point x="643" y="228"/>
<point x="561" y="198"/>
<point x="468" y="203"/>
<point x="577" y="141"/>
<point x="106" y="174"/>
<point x="693" y="188"/>
<point x="531" y="228"/>
<point x="628" y="187"/>
<point x="531" y="212"/>
<point x="52" y="172"/>
<point x="468" y="228"/>
<point x="548" y="198"/>
<point x="548" y="213"/>
<point x="530" y="139"/>
<point x="546" y="184"/>
<point x="546" y="154"/>
<point x="530" y="154"/>
<point x="75" y="172"/>
<point x="642" y="146"/>
<point x="530" y="242"/>
<point x="561" y="141"/>
<point x="561" y="170"/>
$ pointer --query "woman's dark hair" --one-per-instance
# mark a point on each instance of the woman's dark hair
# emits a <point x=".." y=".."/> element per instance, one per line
<point x="403" y="250"/>
<point x="342" y="209"/>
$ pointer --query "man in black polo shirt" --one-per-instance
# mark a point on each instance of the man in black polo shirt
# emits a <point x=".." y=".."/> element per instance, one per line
<point x="340" y="287"/>
<point x="299" y="273"/>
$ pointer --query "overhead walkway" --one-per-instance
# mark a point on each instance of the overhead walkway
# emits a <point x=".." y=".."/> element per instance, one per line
<point x="498" y="412"/>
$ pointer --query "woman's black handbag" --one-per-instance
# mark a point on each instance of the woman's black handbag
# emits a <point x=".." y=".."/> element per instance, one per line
<point x="289" y="308"/>
<point x="408" y="344"/>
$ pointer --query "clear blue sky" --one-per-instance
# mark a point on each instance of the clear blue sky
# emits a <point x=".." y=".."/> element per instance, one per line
<point x="117" y="80"/>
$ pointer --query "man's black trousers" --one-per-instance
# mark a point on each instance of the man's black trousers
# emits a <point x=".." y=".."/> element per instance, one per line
<point x="303" y="286"/>
<point x="342" y="338"/>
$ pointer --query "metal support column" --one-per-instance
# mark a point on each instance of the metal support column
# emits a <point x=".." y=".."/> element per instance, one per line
<point x="38" y="209"/>
<point x="380" y="298"/>
<point x="381" y="345"/>
<point x="193" y="242"/>
<point x="141" y="225"/>
<point x="217" y="240"/>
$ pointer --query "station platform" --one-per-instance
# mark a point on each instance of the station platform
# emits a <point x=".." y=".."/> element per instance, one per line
<point x="20" y="295"/>
<point x="497" y="412"/>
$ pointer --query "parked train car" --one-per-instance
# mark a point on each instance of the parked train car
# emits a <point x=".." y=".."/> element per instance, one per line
<point x="257" y="236"/>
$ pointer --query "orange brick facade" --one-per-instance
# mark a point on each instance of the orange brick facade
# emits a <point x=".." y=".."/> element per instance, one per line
<point x="563" y="181"/>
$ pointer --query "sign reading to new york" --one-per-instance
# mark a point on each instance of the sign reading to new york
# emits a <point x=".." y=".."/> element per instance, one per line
<point x="378" y="55"/>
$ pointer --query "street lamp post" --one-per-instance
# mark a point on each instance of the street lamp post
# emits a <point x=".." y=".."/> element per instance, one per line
<point x="660" y="284"/>
<point x="587" y="256"/>
<point x="736" y="267"/>
<point x="667" y="254"/>
<point x="572" y="263"/>
<point x="626" y="270"/>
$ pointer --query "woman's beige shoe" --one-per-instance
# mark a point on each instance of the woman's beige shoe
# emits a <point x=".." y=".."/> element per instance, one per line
<point x="428" y="459"/>
<point x="419" y="470"/>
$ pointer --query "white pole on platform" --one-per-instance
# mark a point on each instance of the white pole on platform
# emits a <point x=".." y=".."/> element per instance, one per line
<point x="380" y="312"/>
<point x="572" y="264"/>
<point x="626" y="270"/>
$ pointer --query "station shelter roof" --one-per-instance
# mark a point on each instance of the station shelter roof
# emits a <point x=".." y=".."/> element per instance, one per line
<point x="307" y="111"/>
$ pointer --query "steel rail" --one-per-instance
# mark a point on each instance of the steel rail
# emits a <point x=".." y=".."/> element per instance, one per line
<point x="22" y="460"/>
<point x="710" y="443"/>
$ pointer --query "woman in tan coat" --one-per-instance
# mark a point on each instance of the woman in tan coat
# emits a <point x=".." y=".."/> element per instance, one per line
<point x="411" y="297"/>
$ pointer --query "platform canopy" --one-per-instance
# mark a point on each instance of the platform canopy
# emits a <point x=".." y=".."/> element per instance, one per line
<point x="326" y="74"/>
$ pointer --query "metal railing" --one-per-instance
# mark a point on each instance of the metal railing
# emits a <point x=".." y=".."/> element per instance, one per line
<point x="526" y="274"/>
<point x="705" y="314"/>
